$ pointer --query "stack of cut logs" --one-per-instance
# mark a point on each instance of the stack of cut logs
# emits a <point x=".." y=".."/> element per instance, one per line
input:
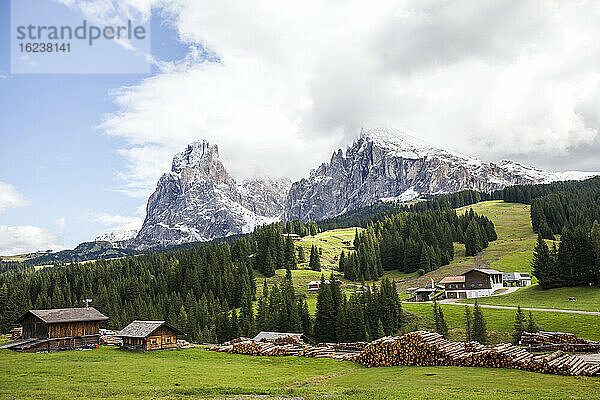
<point x="549" y="341"/>
<point x="431" y="349"/>
<point x="291" y="347"/>
<point x="16" y="333"/>
<point x="110" y="340"/>
<point x="420" y="349"/>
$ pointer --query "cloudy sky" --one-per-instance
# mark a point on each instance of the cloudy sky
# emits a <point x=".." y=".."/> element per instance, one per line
<point x="278" y="88"/>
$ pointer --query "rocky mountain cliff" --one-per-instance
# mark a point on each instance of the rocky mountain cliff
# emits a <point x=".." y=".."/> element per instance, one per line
<point x="198" y="200"/>
<point x="386" y="164"/>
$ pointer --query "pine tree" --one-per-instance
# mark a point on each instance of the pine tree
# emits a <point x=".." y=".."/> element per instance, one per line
<point x="305" y="317"/>
<point x="234" y="328"/>
<point x="325" y="324"/>
<point x="473" y="243"/>
<point x="532" y="326"/>
<point x="543" y="265"/>
<point x="468" y="324"/>
<point x="290" y="254"/>
<point x="519" y="325"/>
<point x="246" y="320"/>
<point x="342" y="262"/>
<point x="479" y="330"/>
<point x="440" y="323"/>
<point x="595" y="236"/>
<point x="314" y="261"/>
<point x="301" y="255"/>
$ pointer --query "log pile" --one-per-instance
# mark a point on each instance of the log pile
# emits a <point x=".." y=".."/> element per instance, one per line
<point x="16" y="333"/>
<point x="420" y="349"/>
<point x="290" y="346"/>
<point x="553" y="341"/>
<point x="110" y="340"/>
<point x="184" y="344"/>
<point x="431" y="349"/>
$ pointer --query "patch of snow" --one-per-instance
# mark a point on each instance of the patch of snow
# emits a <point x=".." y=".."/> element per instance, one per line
<point x="119" y="236"/>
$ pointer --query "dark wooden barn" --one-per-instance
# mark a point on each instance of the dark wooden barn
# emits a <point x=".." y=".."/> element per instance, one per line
<point x="58" y="329"/>
<point x="149" y="335"/>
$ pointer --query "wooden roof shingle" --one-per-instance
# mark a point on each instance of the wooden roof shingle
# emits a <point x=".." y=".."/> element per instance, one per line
<point x="143" y="329"/>
<point x="62" y="315"/>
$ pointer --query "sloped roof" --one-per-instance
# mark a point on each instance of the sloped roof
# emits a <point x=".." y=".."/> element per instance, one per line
<point x="487" y="271"/>
<point x="453" y="279"/>
<point x="142" y="329"/>
<point x="60" y="315"/>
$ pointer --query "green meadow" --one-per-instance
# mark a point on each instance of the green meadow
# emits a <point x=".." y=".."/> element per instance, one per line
<point x="200" y="374"/>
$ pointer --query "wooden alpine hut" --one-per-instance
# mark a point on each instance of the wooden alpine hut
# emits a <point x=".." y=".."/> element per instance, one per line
<point x="149" y="335"/>
<point x="58" y="329"/>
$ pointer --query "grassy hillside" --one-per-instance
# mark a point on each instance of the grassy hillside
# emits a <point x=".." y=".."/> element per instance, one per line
<point x="511" y="252"/>
<point x="196" y="373"/>
<point x="331" y="244"/>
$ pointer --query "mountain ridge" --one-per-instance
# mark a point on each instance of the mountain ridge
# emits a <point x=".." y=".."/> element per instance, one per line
<point x="198" y="200"/>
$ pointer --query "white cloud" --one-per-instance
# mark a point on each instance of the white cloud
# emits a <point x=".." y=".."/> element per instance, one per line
<point x="117" y="222"/>
<point x="60" y="223"/>
<point x="10" y="197"/>
<point x="297" y="80"/>
<point x="27" y="238"/>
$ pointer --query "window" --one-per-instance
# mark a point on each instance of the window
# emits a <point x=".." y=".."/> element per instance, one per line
<point x="153" y="341"/>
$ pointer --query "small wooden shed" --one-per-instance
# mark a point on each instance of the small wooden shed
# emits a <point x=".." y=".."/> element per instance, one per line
<point x="149" y="335"/>
<point x="58" y="329"/>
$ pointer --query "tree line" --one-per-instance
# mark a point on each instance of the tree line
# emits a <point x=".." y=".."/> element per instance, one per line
<point x="569" y="209"/>
<point x="414" y="241"/>
<point x="363" y="217"/>
<point x="195" y="289"/>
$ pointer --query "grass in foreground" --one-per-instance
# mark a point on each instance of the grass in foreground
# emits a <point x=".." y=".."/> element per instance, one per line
<point x="195" y="373"/>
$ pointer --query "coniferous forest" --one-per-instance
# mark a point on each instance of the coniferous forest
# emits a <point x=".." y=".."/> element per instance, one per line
<point x="571" y="210"/>
<point x="415" y="241"/>
<point x="209" y="291"/>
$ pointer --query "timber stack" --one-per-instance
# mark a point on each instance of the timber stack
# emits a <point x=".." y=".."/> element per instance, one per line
<point x="431" y="349"/>
<point x="552" y="341"/>
<point x="290" y="346"/>
<point x="420" y="349"/>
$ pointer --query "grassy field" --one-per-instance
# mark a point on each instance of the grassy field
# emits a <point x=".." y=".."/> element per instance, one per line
<point x="196" y="373"/>
<point x="500" y="322"/>
<point x="587" y="298"/>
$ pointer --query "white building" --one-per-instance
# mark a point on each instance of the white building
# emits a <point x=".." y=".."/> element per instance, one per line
<point x="516" y="279"/>
<point x="479" y="282"/>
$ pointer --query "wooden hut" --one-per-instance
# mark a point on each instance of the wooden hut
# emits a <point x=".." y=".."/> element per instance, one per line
<point x="58" y="329"/>
<point x="149" y="335"/>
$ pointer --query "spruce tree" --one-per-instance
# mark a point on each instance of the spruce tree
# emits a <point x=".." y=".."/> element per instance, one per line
<point x="314" y="261"/>
<point x="325" y="329"/>
<point x="479" y="330"/>
<point x="301" y="255"/>
<point x="234" y="328"/>
<point x="595" y="236"/>
<point x="519" y="325"/>
<point x="473" y="243"/>
<point x="440" y="323"/>
<point x="543" y="265"/>
<point x="532" y="326"/>
<point x="468" y="324"/>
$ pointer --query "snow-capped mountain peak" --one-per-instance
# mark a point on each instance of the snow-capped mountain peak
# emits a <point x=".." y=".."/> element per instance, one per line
<point x="119" y="236"/>
<point x="401" y="144"/>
